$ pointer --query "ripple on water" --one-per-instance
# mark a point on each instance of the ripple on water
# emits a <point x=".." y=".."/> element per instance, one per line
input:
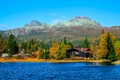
<point x="58" y="71"/>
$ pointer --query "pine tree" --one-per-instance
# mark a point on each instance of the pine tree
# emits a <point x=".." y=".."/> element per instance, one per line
<point x="24" y="46"/>
<point x="43" y="51"/>
<point x="3" y="45"/>
<point x="65" y="40"/>
<point x="106" y="47"/>
<point x="58" y="50"/>
<point x="12" y="45"/>
<point x="61" y="51"/>
<point x="85" y="43"/>
<point x="111" y="52"/>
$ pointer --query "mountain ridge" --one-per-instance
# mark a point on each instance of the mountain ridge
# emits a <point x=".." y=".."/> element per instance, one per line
<point x="79" y="21"/>
<point x="74" y="22"/>
<point x="75" y="28"/>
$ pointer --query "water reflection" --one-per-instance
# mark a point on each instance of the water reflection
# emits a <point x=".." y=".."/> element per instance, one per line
<point x="101" y="63"/>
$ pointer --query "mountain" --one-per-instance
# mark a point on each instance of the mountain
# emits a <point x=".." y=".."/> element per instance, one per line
<point x="74" y="29"/>
<point x="28" y="28"/>
<point x="79" y="21"/>
<point x="34" y="25"/>
<point x="115" y="27"/>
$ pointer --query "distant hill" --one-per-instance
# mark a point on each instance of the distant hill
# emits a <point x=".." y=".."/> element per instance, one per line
<point x="34" y="25"/>
<point x="74" y="29"/>
<point x="115" y="27"/>
<point x="79" y="21"/>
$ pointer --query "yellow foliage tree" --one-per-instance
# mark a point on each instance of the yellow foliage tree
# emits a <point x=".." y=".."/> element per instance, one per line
<point x="54" y="49"/>
<point x="37" y="54"/>
<point x="61" y="51"/>
<point x="92" y="51"/>
<point x="102" y="51"/>
<point x="58" y="50"/>
<point x="103" y="47"/>
<point x="117" y="49"/>
<point x="67" y="47"/>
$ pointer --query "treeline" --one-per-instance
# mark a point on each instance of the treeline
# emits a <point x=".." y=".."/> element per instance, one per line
<point x="105" y="47"/>
<point x="53" y="49"/>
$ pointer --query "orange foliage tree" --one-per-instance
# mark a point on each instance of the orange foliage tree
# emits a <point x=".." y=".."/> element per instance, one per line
<point x="54" y="49"/>
<point x="103" y="46"/>
<point x="58" y="50"/>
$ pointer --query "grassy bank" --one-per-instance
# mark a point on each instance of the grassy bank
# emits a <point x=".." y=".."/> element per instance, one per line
<point x="48" y="60"/>
<point x="116" y="62"/>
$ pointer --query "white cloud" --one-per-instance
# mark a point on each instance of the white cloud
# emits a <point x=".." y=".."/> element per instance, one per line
<point x="56" y="21"/>
<point x="6" y="27"/>
<point x="3" y="26"/>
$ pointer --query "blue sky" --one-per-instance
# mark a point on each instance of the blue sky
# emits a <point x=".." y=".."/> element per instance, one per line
<point x="16" y="13"/>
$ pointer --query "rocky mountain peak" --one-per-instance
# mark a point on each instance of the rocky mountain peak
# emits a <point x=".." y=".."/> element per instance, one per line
<point x="34" y="23"/>
<point x="79" y="21"/>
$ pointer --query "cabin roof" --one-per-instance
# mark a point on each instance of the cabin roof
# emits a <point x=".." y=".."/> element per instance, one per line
<point x="85" y="50"/>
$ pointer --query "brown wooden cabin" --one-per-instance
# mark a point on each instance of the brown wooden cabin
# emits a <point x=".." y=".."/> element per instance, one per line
<point x="79" y="52"/>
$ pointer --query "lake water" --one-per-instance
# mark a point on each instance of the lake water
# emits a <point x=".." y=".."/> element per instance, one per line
<point x="58" y="71"/>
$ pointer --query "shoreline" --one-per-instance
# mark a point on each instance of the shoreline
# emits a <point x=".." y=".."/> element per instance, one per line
<point x="53" y="60"/>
